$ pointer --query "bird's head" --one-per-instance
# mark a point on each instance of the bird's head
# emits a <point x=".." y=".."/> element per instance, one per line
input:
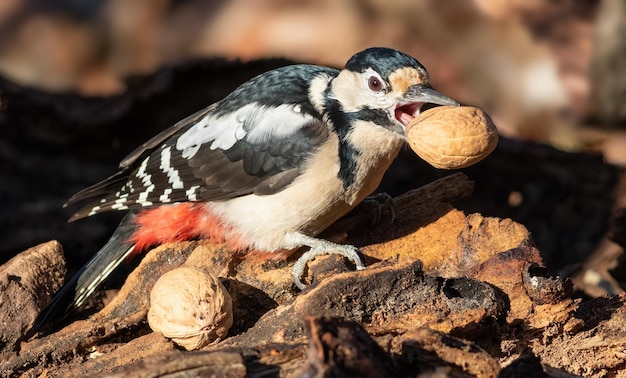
<point x="385" y="82"/>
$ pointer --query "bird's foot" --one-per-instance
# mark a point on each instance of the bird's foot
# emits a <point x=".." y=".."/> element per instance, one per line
<point x="323" y="247"/>
<point x="380" y="206"/>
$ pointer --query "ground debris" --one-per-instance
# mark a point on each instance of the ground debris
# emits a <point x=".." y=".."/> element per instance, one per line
<point x="479" y="303"/>
<point x="27" y="283"/>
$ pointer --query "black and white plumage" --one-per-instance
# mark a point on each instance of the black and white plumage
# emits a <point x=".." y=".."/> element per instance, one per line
<point x="251" y="141"/>
<point x="275" y="162"/>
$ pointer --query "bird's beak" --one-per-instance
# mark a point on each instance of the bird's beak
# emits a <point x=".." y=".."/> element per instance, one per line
<point x="423" y="94"/>
<point x="414" y="98"/>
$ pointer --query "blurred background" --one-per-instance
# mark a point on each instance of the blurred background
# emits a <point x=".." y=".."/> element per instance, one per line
<point x="85" y="81"/>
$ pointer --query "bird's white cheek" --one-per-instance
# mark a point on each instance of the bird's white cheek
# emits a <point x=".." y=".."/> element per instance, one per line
<point x="349" y="90"/>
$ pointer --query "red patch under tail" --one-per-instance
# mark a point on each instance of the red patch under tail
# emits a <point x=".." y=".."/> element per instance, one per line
<point x="181" y="222"/>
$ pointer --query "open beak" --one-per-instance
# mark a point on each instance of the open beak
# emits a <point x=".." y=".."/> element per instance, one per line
<point x="414" y="98"/>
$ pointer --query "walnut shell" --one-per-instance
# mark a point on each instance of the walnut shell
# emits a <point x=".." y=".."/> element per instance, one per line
<point x="451" y="137"/>
<point x="191" y="307"/>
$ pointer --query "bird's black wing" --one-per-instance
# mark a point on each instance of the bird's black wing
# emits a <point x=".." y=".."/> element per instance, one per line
<point x="114" y="182"/>
<point x="255" y="140"/>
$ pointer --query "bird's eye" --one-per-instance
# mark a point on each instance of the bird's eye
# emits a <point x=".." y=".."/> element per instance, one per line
<point x="375" y="84"/>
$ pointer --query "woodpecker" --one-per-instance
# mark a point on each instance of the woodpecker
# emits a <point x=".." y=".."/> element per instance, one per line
<point x="268" y="167"/>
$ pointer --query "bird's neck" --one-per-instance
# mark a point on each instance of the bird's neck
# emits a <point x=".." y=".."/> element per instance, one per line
<point x="374" y="148"/>
<point x="366" y="146"/>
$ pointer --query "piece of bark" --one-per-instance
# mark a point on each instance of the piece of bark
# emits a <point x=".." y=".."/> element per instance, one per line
<point x="483" y="238"/>
<point x="527" y="365"/>
<point x="506" y="270"/>
<point x="545" y="289"/>
<point x="340" y="348"/>
<point x="387" y="297"/>
<point x="102" y="358"/>
<point x="498" y="251"/>
<point x="425" y="350"/>
<point x="595" y="347"/>
<point x="447" y="241"/>
<point x="185" y="365"/>
<point x="26" y="283"/>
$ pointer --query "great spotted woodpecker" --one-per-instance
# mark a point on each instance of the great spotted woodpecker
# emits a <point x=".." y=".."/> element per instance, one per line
<point x="267" y="168"/>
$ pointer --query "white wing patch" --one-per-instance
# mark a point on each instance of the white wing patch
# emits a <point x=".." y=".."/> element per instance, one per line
<point x="192" y="193"/>
<point x="172" y="173"/>
<point x="277" y="122"/>
<point x="148" y="185"/>
<point x="255" y="122"/>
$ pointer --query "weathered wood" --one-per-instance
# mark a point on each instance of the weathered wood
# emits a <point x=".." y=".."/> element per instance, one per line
<point x="479" y="300"/>
<point x="26" y="283"/>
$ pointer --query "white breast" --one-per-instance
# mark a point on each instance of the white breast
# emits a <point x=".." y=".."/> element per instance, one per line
<point x="314" y="200"/>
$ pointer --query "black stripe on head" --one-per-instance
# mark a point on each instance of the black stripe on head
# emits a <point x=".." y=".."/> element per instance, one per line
<point x="377" y="116"/>
<point x="382" y="60"/>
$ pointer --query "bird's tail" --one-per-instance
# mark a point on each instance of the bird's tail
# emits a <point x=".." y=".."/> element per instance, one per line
<point x="91" y="275"/>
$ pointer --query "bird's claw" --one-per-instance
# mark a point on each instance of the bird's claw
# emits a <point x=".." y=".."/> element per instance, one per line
<point x="347" y="251"/>
<point x="379" y="205"/>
